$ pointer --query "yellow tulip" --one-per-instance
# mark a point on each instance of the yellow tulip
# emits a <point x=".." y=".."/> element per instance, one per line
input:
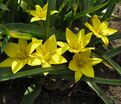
<point x="48" y="53"/>
<point x="40" y="13"/>
<point x="82" y="64"/>
<point x="76" y="43"/>
<point x="21" y="54"/>
<point x="100" y="29"/>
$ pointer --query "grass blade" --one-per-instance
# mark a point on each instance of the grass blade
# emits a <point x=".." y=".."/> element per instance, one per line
<point x="90" y="10"/>
<point x="113" y="52"/>
<point x="113" y="64"/>
<point x="102" y="80"/>
<point x="4" y="7"/>
<point x="33" y="29"/>
<point x="110" y="9"/>
<point x="100" y="93"/>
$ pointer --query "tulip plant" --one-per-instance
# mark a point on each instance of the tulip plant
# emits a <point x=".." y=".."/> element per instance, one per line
<point x="54" y="38"/>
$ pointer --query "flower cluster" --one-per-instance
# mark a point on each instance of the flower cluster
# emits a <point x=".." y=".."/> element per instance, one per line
<point x="34" y="53"/>
<point x="81" y="62"/>
<point x="49" y="52"/>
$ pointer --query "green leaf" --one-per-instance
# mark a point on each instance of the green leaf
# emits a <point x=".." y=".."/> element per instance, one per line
<point x="110" y="9"/>
<point x="32" y="96"/>
<point x="62" y="5"/>
<point x="10" y="15"/>
<point x="113" y="64"/>
<point x="90" y="10"/>
<point x="4" y="7"/>
<point x="38" y="71"/>
<point x="58" y="71"/>
<point x="35" y="30"/>
<point x="68" y="16"/>
<point x="100" y="93"/>
<point x="102" y="80"/>
<point x="112" y="52"/>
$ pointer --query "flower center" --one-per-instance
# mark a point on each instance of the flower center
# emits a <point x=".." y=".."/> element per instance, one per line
<point x="42" y="14"/>
<point x="21" y="53"/>
<point x="80" y="63"/>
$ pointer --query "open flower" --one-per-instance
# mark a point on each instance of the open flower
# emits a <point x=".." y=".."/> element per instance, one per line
<point x="48" y="53"/>
<point x="21" y="54"/>
<point x="82" y="64"/>
<point x="100" y="29"/>
<point x="76" y="43"/>
<point x="40" y="13"/>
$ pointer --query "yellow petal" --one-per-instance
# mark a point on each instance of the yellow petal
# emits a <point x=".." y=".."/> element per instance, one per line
<point x="78" y="75"/>
<point x="62" y="50"/>
<point x="96" y="61"/>
<point x="51" y="44"/>
<point x="109" y="31"/>
<point x="73" y="65"/>
<point x="57" y="59"/>
<point x="103" y="26"/>
<point x="84" y="55"/>
<point x="105" y="40"/>
<point x="86" y="49"/>
<point x="95" y="32"/>
<point x="96" y="22"/>
<point x="64" y="47"/>
<point x="90" y="27"/>
<point x="17" y="65"/>
<point x="46" y="65"/>
<point x="35" y="19"/>
<point x="7" y="62"/>
<point x="81" y="39"/>
<point x="38" y="8"/>
<point x="72" y="50"/>
<point x="87" y="70"/>
<point x="10" y="50"/>
<point x="33" y="45"/>
<point x="33" y="61"/>
<point x="40" y="51"/>
<point x="32" y="12"/>
<point x="87" y="38"/>
<point x="45" y="7"/>
<point x="61" y="44"/>
<point x="71" y="38"/>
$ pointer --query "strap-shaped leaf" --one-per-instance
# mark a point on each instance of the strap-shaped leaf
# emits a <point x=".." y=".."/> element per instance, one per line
<point x="4" y="7"/>
<point x="113" y="52"/>
<point x="35" y="30"/>
<point x="90" y="10"/>
<point x="100" y="93"/>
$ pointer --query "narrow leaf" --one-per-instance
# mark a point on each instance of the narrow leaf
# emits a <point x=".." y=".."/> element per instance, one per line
<point x="100" y="93"/>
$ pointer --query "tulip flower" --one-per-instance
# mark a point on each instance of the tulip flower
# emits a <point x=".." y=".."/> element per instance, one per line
<point x="82" y="64"/>
<point x="21" y="54"/>
<point x="76" y="43"/>
<point x="40" y="13"/>
<point x="48" y="53"/>
<point x="100" y="29"/>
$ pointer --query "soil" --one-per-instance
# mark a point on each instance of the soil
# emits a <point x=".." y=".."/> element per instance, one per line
<point x="62" y="92"/>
